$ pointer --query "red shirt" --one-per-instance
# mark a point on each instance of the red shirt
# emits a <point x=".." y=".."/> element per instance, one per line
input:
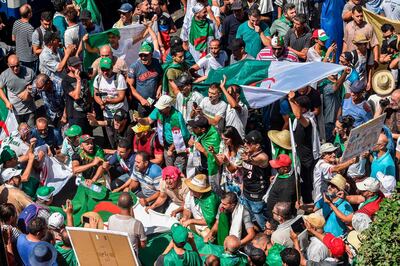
<point x="372" y="207"/>
<point x="146" y="146"/>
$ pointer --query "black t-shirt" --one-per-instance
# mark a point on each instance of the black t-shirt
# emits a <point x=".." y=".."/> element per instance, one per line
<point x="255" y="181"/>
<point x="303" y="139"/>
<point x="77" y="108"/>
<point x="230" y="27"/>
<point x="315" y="98"/>
<point x="127" y="133"/>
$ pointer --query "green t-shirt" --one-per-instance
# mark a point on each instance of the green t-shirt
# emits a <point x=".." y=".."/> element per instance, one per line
<point x="251" y="38"/>
<point x="175" y="119"/>
<point x="233" y="260"/>
<point x="189" y="258"/>
<point x="67" y="257"/>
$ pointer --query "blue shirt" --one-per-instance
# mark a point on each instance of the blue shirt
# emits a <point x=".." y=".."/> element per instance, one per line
<point x="53" y="100"/>
<point x="117" y="171"/>
<point x="357" y="111"/>
<point x="146" y="78"/>
<point x="384" y="164"/>
<point x="53" y="138"/>
<point x="333" y="224"/>
<point x="25" y="247"/>
<point x="149" y="180"/>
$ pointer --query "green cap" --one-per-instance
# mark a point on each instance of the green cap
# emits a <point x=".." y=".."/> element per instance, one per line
<point x="179" y="233"/>
<point x="146" y="48"/>
<point x="73" y="131"/>
<point x="105" y="63"/>
<point x="7" y="154"/>
<point x="45" y="193"/>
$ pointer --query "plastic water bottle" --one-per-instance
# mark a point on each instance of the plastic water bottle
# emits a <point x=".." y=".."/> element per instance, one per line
<point x="95" y="188"/>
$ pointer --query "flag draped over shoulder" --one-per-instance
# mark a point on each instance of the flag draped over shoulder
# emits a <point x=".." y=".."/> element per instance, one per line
<point x="8" y="122"/>
<point x="200" y="30"/>
<point x="92" y="7"/>
<point x="273" y="80"/>
<point x="55" y="174"/>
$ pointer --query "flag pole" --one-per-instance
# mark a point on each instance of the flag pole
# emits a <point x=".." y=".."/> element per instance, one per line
<point x="294" y="156"/>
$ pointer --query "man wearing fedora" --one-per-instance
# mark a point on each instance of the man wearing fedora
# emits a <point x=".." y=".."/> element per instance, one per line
<point x="201" y="205"/>
<point x="383" y="84"/>
<point x="333" y="224"/>
<point x="280" y="142"/>
<point x="326" y="167"/>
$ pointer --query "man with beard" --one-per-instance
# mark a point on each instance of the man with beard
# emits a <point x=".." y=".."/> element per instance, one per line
<point x="171" y="187"/>
<point x="144" y="79"/>
<point x="87" y="162"/>
<point x="277" y="52"/>
<point x="281" y="26"/>
<point x="146" y="140"/>
<point x="46" y="24"/>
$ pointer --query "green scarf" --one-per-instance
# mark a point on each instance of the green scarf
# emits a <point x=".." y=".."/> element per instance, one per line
<point x="223" y="228"/>
<point x="200" y="30"/>
<point x="233" y="260"/>
<point x="166" y="67"/>
<point x="286" y="21"/>
<point x="338" y="140"/>
<point x="209" y="203"/>
<point x="211" y="138"/>
<point x="68" y="255"/>
<point x="372" y="199"/>
<point x="190" y="258"/>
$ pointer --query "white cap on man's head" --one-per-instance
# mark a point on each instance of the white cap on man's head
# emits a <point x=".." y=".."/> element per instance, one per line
<point x="369" y="184"/>
<point x="9" y="173"/>
<point x="164" y="102"/>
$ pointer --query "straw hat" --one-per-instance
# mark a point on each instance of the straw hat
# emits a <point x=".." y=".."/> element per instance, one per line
<point x="316" y="220"/>
<point x="383" y="82"/>
<point x="354" y="239"/>
<point x="198" y="183"/>
<point x="339" y="181"/>
<point x="280" y="138"/>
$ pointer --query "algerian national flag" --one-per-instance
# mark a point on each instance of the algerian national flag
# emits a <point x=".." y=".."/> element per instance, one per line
<point x="265" y="82"/>
<point x="8" y="122"/>
<point x="54" y="173"/>
<point x="92" y="7"/>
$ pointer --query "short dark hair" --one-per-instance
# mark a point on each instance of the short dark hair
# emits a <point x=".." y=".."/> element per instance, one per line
<point x="302" y="18"/>
<point x="231" y="197"/>
<point x="7" y="211"/>
<point x="290" y="257"/>
<point x="176" y="49"/>
<point x="124" y="143"/>
<point x="125" y="201"/>
<point x="48" y="237"/>
<point x="288" y="7"/>
<point x="50" y="36"/>
<point x="357" y="8"/>
<point x="387" y="27"/>
<point x="72" y="15"/>
<point x="253" y="12"/>
<point x="145" y="156"/>
<point x="274" y="224"/>
<point x="284" y="209"/>
<point x="232" y="133"/>
<point x="215" y="86"/>
<point x="46" y="15"/>
<point x="59" y="5"/>
<point x="304" y="102"/>
<point x="36" y="225"/>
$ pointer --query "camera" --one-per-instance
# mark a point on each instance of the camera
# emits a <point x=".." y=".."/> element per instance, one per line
<point x="101" y="94"/>
<point x="384" y="102"/>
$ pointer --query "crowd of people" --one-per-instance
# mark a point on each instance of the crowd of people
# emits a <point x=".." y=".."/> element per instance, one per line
<point x="225" y="171"/>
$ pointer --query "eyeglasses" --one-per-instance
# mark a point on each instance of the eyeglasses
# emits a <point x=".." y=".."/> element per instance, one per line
<point x="14" y="66"/>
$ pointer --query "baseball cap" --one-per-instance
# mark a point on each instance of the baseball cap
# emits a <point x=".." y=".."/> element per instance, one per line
<point x="139" y="128"/>
<point x="175" y="41"/>
<point x="357" y="86"/>
<point x="164" y="102"/>
<point x="237" y="5"/>
<point x="360" y="221"/>
<point x="283" y="160"/>
<point x="84" y="138"/>
<point x="368" y="184"/>
<point x="253" y="137"/>
<point x="327" y="147"/>
<point x="335" y="245"/>
<point x="236" y="44"/>
<point x="146" y="48"/>
<point x="179" y="233"/>
<point x="85" y="14"/>
<point x="183" y="79"/>
<point x="120" y="114"/>
<point x="56" y="220"/>
<point x="277" y="41"/>
<point x="199" y="121"/>
<point x="171" y="171"/>
<point x="9" y="173"/>
<point x="45" y="193"/>
<point x="125" y="8"/>
<point x="105" y="63"/>
<point x="74" y="61"/>
<point x="320" y="34"/>
<point x="316" y="220"/>
<point x="7" y="154"/>
<point x="73" y="131"/>
<point x="388" y="183"/>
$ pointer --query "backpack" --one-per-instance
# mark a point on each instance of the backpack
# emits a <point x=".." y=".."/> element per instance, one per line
<point x="30" y="212"/>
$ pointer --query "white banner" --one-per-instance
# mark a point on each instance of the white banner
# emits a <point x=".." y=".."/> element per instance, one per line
<point x="284" y="77"/>
<point x="54" y="173"/>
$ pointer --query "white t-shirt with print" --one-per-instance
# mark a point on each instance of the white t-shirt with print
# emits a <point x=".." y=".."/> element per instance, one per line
<point x="213" y="110"/>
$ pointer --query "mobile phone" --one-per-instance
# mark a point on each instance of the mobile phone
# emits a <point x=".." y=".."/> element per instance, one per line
<point x="298" y="226"/>
<point x="195" y="105"/>
<point x="85" y="219"/>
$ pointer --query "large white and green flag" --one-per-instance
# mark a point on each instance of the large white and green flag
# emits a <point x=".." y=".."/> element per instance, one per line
<point x="8" y="122"/>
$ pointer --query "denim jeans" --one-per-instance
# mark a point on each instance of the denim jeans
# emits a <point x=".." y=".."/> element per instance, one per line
<point x="256" y="209"/>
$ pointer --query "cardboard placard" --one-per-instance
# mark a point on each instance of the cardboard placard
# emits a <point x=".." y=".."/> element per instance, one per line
<point x="363" y="138"/>
<point x="95" y="247"/>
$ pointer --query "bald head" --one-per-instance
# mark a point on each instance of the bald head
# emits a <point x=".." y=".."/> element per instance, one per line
<point x="212" y="260"/>
<point x="25" y="11"/>
<point x="13" y="59"/>
<point x="125" y="201"/>
<point x="105" y="51"/>
<point x="231" y="244"/>
<point x="396" y="96"/>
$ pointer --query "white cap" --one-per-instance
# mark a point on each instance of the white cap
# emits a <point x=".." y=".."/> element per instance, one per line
<point x="327" y="147"/>
<point x="164" y="102"/>
<point x="197" y="7"/>
<point x="360" y="221"/>
<point x="9" y="173"/>
<point x="369" y="184"/>
<point x="388" y="183"/>
<point x="56" y="220"/>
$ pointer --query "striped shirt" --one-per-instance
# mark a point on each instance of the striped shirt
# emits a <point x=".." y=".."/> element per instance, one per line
<point x="149" y="180"/>
<point x="23" y="41"/>
<point x="301" y="5"/>
<point x="268" y="55"/>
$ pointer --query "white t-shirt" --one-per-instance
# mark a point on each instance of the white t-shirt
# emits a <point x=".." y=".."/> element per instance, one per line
<point x="317" y="251"/>
<point x="391" y="8"/>
<point x="186" y="109"/>
<point x="210" y="62"/>
<point x="322" y="173"/>
<point x="237" y="119"/>
<point x="313" y="56"/>
<point x="107" y="86"/>
<point x="213" y="110"/>
<point x="194" y="209"/>
<point x="122" y="51"/>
